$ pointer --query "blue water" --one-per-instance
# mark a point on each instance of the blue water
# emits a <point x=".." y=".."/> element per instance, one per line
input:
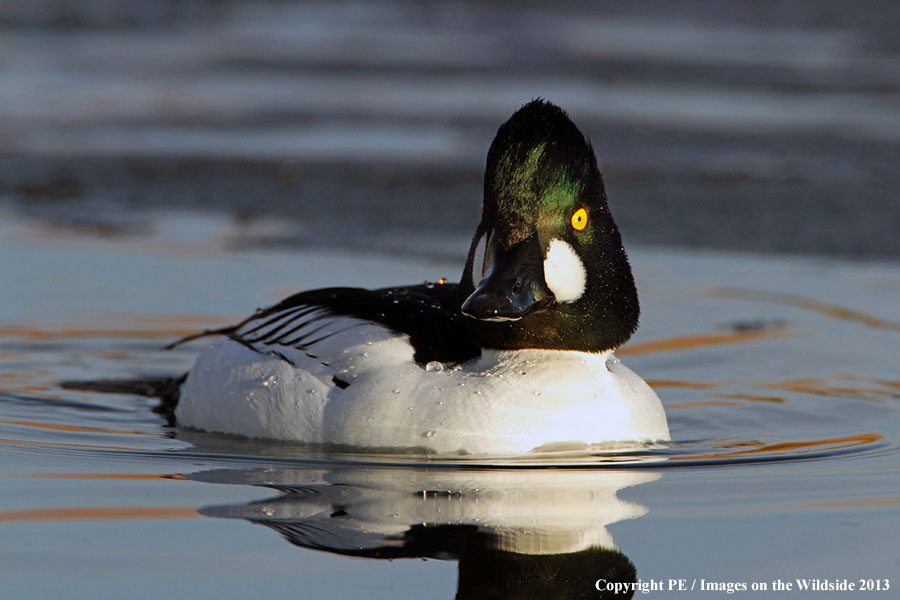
<point x="779" y="379"/>
<point x="166" y="167"/>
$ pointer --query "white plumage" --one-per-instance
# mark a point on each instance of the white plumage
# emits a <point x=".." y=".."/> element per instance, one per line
<point x="503" y="402"/>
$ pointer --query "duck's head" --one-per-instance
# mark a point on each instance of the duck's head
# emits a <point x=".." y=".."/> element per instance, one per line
<point x="546" y="268"/>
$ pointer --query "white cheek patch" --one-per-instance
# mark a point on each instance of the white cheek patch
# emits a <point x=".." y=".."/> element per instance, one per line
<point x="564" y="272"/>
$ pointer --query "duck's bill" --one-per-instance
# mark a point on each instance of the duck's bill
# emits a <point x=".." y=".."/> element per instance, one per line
<point x="514" y="286"/>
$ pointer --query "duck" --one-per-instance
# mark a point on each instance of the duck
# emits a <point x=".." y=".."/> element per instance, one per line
<point x="516" y="357"/>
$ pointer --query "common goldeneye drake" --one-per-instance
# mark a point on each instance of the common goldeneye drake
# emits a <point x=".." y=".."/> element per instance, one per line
<point x="518" y="356"/>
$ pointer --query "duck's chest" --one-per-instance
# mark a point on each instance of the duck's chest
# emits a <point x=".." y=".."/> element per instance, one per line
<point x="506" y="401"/>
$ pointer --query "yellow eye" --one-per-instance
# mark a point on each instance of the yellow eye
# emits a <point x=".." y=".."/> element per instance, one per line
<point x="579" y="219"/>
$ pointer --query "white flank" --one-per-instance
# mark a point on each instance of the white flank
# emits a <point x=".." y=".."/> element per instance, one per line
<point x="500" y="403"/>
<point x="564" y="272"/>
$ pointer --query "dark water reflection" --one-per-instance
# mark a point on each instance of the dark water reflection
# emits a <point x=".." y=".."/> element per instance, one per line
<point x="515" y="533"/>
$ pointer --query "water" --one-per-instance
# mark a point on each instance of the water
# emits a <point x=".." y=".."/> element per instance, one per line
<point x="733" y="126"/>
<point x="169" y="166"/>
<point x="779" y="379"/>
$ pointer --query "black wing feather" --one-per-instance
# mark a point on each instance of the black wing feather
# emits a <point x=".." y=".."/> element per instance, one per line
<point x="427" y="313"/>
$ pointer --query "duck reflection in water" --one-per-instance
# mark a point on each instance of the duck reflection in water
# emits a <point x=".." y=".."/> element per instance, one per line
<point x="517" y="533"/>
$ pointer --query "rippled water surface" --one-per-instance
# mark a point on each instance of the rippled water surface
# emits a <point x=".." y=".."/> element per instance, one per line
<point x="169" y="166"/>
<point x="779" y="377"/>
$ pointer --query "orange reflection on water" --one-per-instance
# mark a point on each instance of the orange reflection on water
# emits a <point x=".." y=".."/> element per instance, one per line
<point x="14" y="442"/>
<point x="734" y="443"/>
<point x="726" y="399"/>
<point x="674" y="383"/>
<point x="701" y="403"/>
<point x="753" y="398"/>
<point x="689" y="342"/>
<point x="60" y="427"/>
<point x="822" y="308"/>
<point x="116" y="355"/>
<point x="802" y="447"/>
<point x="889" y="383"/>
<point x="824" y="387"/>
<point x="808" y="385"/>
<point x="111" y="476"/>
<point x="32" y="333"/>
<point x="100" y="513"/>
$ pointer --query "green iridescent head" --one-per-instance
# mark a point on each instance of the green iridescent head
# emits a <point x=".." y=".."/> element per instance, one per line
<point x="547" y="258"/>
<point x="540" y="171"/>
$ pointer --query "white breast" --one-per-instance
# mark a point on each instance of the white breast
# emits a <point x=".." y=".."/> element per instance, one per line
<point x="503" y="402"/>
